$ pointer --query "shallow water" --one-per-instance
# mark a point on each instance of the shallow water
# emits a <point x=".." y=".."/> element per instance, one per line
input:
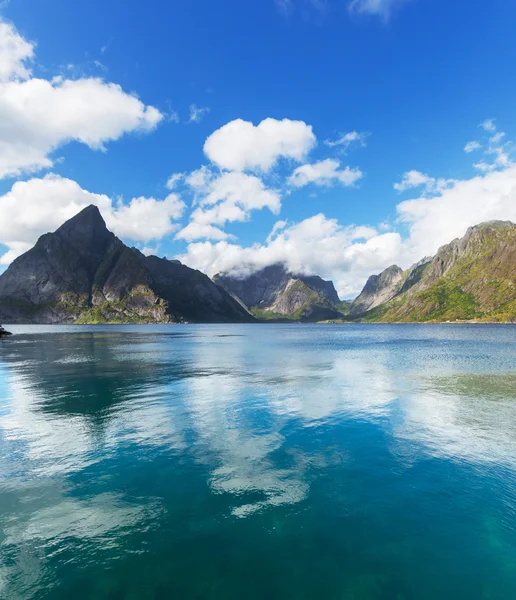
<point x="258" y="461"/>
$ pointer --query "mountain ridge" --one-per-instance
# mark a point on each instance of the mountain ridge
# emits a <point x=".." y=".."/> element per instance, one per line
<point x="275" y="293"/>
<point x="472" y="278"/>
<point x="83" y="273"/>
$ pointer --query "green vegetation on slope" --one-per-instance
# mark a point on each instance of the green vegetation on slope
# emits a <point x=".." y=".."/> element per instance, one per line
<point x="470" y="279"/>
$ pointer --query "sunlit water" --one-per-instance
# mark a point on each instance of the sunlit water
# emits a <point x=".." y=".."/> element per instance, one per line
<point x="258" y="462"/>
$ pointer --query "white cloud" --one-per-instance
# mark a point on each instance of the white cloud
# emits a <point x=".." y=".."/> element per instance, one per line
<point x="348" y="255"/>
<point x="472" y="146"/>
<point x="436" y="221"/>
<point x="200" y="179"/>
<point x="382" y="8"/>
<point x="145" y="219"/>
<point x="497" y="153"/>
<point x="224" y="198"/>
<point x="412" y="179"/>
<point x="197" y="113"/>
<point x="324" y="173"/>
<point x="247" y="191"/>
<point x="39" y="115"/>
<point x="150" y="250"/>
<point x="317" y="245"/>
<point x="37" y="206"/>
<point x="415" y="179"/>
<point x="240" y="145"/>
<point x="197" y="231"/>
<point x="15" y="52"/>
<point x="488" y="125"/>
<point x="173" y="180"/>
<point x="278" y="226"/>
<point x="497" y="138"/>
<point x="347" y="139"/>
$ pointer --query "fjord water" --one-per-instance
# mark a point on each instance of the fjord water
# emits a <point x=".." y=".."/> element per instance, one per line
<point x="258" y="461"/>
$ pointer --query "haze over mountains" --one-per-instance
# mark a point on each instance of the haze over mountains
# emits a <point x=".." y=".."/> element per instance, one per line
<point x="83" y="273"/>
<point x="274" y="292"/>
<point x="472" y="278"/>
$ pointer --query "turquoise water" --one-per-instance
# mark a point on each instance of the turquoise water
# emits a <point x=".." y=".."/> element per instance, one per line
<point x="258" y="462"/>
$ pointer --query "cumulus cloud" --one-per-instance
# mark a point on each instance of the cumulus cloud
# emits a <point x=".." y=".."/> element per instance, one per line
<point x="223" y="198"/>
<point x="436" y="221"/>
<point x="444" y="210"/>
<point x="198" y="231"/>
<point x="415" y="179"/>
<point x="240" y="145"/>
<point x="324" y="173"/>
<point x="39" y="115"/>
<point x="317" y="245"/>
<point x="37" y="206"/>
<point x="15" y="54"/>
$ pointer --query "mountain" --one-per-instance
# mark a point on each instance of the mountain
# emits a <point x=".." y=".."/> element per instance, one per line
<point x="276" y="293"/>
<point x="83" y="273"/>
<point x="381" y="288"/>
<point x="472" y="278"/>
<point x="378" y="290"/>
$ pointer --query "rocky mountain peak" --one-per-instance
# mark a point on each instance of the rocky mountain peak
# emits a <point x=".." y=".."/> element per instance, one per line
<point x="275" y="289"/>
<point x="86" y="232"/>
<point x="378" y="289"/>
<point x="472" y="277"/>
<point x="82" y="271"/>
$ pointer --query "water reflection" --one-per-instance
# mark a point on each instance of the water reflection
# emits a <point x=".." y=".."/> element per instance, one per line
<point x="116" y="443"/>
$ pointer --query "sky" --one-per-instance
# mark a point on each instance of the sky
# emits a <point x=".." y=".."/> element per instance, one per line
<point x="336" y="136"/>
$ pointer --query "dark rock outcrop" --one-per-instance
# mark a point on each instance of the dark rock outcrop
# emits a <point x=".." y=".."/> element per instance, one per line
<point x="83" y="273"/>
<point x="3" y="332"/>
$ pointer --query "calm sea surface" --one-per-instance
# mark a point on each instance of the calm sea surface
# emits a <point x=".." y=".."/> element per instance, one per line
<point x="247" y="462"/>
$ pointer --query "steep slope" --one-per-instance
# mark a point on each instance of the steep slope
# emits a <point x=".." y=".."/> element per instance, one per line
<point x="83" y="273"/>
<point x="381" y="288"/>
<point x="274" y="292"/>
<point x="378" y="290"/>
<point x="472" y="278"/>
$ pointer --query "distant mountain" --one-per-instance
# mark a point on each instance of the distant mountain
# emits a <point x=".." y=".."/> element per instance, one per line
<point x="84" y="273"/>
<point x="276" y="293"/>
<point x="472" y="278"/>
<point x="381" y="288"/>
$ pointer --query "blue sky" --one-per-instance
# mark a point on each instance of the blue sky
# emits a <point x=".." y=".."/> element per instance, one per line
<point x="410" y="82"/>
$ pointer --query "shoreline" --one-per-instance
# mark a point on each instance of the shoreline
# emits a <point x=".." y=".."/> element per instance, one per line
<point x="264" y="322"/>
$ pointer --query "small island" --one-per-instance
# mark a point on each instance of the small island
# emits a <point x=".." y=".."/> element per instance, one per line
<point x="3" y="332"/>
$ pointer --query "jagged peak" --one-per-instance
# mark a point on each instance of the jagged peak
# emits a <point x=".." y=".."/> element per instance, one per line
<point x="88" y="218"/>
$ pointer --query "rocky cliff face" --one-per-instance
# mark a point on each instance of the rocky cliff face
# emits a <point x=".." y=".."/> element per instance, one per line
<point x="84" y="273"/>
<point x="378" y="290"/>
<point x="472" y="278"/>
<point x="275" y="292"/>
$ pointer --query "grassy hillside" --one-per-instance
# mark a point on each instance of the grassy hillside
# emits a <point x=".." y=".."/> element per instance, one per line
<point x="470" y="279"/>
